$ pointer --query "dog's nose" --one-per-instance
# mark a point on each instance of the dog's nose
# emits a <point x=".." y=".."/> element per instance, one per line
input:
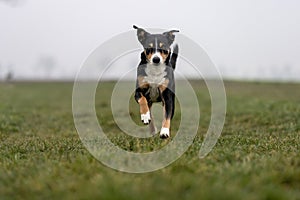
<point x="156" y="59"/>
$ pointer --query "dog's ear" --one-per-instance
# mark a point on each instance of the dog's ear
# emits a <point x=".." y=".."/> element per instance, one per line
<point x="170" y="35"/>
<point x="141" y="34"/>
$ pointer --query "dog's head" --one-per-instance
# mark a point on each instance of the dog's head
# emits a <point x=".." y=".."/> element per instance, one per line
<point x="156" y="46"/>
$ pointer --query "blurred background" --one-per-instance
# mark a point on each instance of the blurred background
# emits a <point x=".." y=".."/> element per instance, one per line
<point x="247" y="40"/>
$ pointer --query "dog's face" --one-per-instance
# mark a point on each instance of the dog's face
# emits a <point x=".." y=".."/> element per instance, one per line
<point x="156" y="46"/>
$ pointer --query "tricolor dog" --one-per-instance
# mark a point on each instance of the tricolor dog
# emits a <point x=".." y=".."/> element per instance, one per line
<point x="155" y="77"/>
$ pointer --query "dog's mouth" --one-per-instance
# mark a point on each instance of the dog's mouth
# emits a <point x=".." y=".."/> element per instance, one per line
<point x="155" y="64"/>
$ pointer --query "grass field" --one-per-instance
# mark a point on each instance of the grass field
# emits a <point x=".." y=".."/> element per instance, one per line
<point x="257" y="156"/>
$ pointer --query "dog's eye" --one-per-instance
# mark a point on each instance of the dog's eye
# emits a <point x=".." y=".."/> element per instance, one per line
<point x="163" y="51"/>
<point x="149" y="50"/>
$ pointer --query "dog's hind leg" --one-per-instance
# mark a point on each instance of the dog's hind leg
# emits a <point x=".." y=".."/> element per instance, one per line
<point x="168" y="100"/>
<point x="165" y="129"/>
<point x="152" y="127"/>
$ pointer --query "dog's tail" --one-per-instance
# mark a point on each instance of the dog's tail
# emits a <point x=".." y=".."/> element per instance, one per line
<point x="174" y="56"/>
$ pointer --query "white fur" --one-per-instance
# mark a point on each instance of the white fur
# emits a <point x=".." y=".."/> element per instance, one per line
<point x="146" y="118"/>
<point x="164" y="132"/>
<point x="155" y="74"/>
<point x="155" y="77"/>
<point x="156" y="54"/>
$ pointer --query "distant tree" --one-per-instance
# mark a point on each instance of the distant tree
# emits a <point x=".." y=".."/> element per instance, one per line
<point x="46" y="64"/>
<point x="9" y="76"/>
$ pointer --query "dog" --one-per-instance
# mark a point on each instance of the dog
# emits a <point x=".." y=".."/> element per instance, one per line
<point x="155" y="77"/>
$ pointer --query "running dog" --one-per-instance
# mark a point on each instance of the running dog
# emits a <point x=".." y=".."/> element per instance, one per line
<point x="155" y="77"/>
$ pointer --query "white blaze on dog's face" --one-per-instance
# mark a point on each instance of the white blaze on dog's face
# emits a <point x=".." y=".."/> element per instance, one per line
<point x="158" y="56"/>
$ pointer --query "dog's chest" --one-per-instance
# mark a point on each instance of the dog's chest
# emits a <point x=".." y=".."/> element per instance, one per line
<point x="155" y="77"/>
<point x="155" y="74"/>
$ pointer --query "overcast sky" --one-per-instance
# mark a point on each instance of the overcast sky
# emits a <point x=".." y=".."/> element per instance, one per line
<point x="245" y="38"/>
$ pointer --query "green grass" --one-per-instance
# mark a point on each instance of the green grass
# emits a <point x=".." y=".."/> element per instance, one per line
<point x="257" y="156"/>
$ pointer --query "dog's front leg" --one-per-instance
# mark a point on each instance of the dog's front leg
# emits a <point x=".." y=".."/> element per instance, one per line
<point x="144" y="110"/>
<point x="142" y="101"/>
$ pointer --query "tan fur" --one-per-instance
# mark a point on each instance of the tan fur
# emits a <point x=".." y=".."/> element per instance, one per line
<point x="143" y="105"/>
<point x="142" y="83"/>
<point x="163" y="85"/>
<point x="166" y="123"/>
<point x="164" y="56"/>
<point x="148" y="56"/>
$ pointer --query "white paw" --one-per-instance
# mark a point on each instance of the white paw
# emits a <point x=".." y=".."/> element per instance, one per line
<point x="164" y="133"/>
<point x="146" y="118"/>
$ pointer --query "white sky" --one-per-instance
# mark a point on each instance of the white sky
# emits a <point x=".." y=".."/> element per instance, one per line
<point x="245" y="38"/>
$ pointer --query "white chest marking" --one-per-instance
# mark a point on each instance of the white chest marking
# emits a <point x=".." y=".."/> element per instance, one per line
<point x="155" y="77"/>
<point x="155" y="74"/>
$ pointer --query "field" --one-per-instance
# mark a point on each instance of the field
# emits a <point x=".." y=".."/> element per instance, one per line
<point x="256" y="157"/>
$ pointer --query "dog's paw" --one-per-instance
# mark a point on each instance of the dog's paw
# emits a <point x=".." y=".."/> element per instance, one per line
<point x="146" y="118"/>
<point x="164" y="133"/>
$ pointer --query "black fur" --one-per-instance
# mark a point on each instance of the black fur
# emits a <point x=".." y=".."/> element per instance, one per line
<point x="169" y="93"/>
<point x="166" y="96"/>
<point x="174" y="56"/>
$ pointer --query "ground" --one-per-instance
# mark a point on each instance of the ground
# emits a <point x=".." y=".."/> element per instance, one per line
<point x="256" y="157"/>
